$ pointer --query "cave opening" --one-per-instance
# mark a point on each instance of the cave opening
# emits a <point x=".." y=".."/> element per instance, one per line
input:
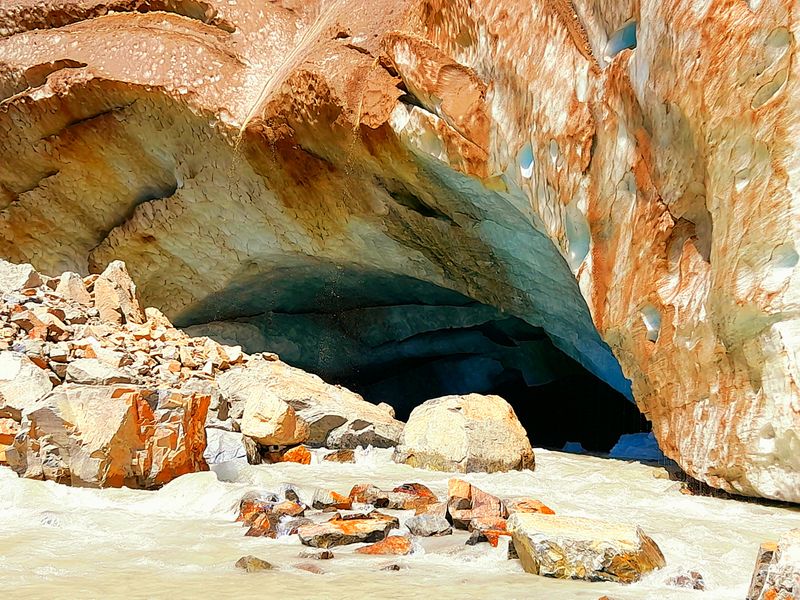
<point x="400" y="340"/>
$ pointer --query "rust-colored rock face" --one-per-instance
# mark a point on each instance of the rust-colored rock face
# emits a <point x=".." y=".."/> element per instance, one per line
<point x="521" y="154"/>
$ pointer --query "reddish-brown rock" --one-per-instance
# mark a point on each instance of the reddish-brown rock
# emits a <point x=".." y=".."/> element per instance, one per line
<point x="466" y="502"/>
<point x="409" y="496"/>
<point x="393" y="544"/>
<point x="348" y="529"/>
<point x="298" y="454"/>
<point x="112" y="436"/>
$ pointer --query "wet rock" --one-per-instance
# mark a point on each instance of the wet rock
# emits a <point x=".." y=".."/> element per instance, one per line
<point x="393" y="544"/>
<point x="253" y="504"/>
<point x="316" y="554"/>
<point x="465" y="502"/>
<point x="22" y="385"/>
<point x="309" y="567"/>
<point x="264" y="524"/>
<point x="268" y="516"/>
<point x="298" y="454"/>
<point x="291" y="525"/>
<point x="91" y="371"/>
<point x="776" y="575"/>
<point x="487" y="529"/>
<point x="112" y="436"/>
<point x="253" y="564"/>
<point x="465" y="434"/>
<point x="115" y="296"/>
<point x="431" y="523"/>
<point x="325" y="499"/>
<point x="348" y="529"/>
<point x="577" y="548"/>
<point x="690" y="579"/>
<point x="526" y="505"/>
<point x="17" y="277"/>
<point x="343" y="455"/>
<point x="409" y="496"/>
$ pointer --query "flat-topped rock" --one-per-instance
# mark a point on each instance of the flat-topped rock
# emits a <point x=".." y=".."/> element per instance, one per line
<point x="578" y="548"/>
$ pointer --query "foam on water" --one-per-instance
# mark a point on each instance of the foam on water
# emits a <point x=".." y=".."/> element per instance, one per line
<point x="181" y="541"/>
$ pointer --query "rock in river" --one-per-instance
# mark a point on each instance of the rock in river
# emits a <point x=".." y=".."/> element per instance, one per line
<point x="349" y="529"/>
<point x="465" y="434"/>
<point x="577" y="548"/>
<point x="777" y="572"/>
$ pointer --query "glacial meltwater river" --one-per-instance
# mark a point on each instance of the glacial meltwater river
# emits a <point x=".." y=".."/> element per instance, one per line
<point x="182" y="541"/>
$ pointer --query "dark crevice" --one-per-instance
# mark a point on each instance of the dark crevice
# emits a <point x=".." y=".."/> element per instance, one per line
<point x="415" y="203"/>
<point x="88" y="119"/>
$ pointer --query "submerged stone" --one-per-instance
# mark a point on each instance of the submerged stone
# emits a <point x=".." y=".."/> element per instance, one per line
<point x="253" y="564"/>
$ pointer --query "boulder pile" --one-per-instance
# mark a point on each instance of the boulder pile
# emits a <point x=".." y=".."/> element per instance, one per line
<point x="96" y="391"/>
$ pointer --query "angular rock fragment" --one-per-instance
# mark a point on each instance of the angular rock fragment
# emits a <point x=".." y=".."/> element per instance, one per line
<point x="409" y="496"/>
<point x="427" y="525"/>
<point x="91" y="371"/>
<point x="577" y="548"/>
<point x="466" y="502"/>
<point x="349" y="529"/>
<point x="343" y="455"/>
<point x="526" y="505"/>
<point x="270" y="421"/>
<point x="253" y="564"/>
<point x="690" y="580"/>
<point x="22" y="385"/>
<point x="115" y="296"/>
<point x="430" y="520"/>
<point x="112" y="436"/>
<point x="316" y="554"/>
<point x="465" y="434"/>
<point x="72" y="288"/>
<point x="17" y="277"/>
<point x="393" y="544"/>
<point x="298" y="454"/>
<point x="337" y="417"/>
<point x="327" y="499"/>
<point x="777" y="571"/>
<point x="224" y="446"/>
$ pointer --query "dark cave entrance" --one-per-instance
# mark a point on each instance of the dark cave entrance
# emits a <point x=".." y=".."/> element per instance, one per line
<point x="402" y="341"/>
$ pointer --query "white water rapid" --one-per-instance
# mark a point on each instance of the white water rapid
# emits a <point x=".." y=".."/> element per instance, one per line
<point x="182" y="541"/>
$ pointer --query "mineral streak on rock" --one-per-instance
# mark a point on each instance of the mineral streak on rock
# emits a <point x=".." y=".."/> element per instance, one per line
<point x="209" y="144"/>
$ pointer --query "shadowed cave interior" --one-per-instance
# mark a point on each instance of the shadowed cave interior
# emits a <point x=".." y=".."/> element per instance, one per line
<point x="402" y="341"/>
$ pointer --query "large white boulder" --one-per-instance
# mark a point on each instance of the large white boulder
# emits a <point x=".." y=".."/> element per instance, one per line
<point x="465" y="434"/>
